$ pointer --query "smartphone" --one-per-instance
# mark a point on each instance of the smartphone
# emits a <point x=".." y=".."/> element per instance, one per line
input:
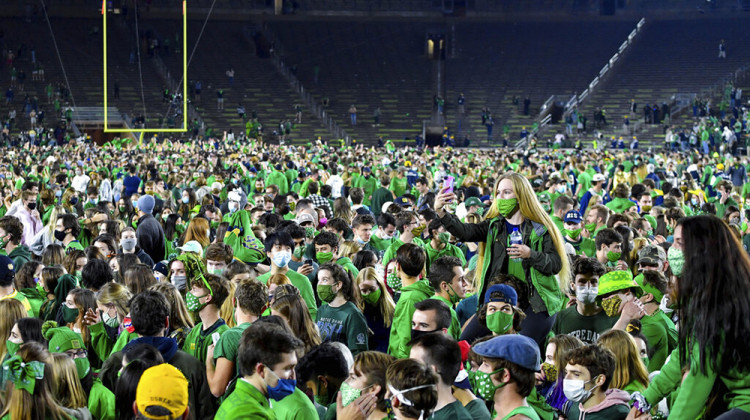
<point x="308" y="262"/>
<point x="215" y="337"/>
<point x="448" y="182"/>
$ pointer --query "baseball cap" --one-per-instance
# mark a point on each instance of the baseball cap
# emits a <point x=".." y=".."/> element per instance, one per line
<point x="598" y="177"/>
<point x="162" y="267"/>
<point x="162" y="393"/>
<point x="192" y="246"/>
<point x="514" y="348"/>
<point x="473" y="201"/>
<point x="573" y="216"/>
<point x="6" y="268"/>
<point x="403" y="202"/>
<point x="503" y="293"/>
<point x="615" y="281"/>
<point x="366" y="169"/>
<point x="304" y="218"/>
<point x="652" y="254"/>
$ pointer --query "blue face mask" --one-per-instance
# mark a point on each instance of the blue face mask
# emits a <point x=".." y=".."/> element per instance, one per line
<point x="284" y="388"/>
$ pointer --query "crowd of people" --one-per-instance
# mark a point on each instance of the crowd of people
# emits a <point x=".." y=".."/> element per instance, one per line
<point x="236" y="280"/>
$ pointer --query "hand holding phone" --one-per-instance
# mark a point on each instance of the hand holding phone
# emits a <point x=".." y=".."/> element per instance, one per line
<point x="448" y="184"/>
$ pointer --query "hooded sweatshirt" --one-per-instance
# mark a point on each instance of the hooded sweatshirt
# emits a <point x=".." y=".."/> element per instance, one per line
<point x="401" y="325"/>
<point x="614" y="407"/>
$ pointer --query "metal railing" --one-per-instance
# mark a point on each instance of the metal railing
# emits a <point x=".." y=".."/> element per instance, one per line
<point x="577" y="100"/>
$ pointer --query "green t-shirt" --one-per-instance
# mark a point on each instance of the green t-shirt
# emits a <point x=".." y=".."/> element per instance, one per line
<point x="246" y="402"/>
<point x="478" y="410"/>
<point x="380" y="244"/>
<point x="197" y="341"/>
<point x="448" y="249"/>
<point x="295" y="407"/>
<point x="344" y="324"/>
<point x="586" y="246"/>
<point x="302" y="283"/>
<point x="390" y="253"/>
<point x="661" y="335"/>
<point x="229" y="342"/>
<point x="452" y="411"/>
<point x="585" y="328"/>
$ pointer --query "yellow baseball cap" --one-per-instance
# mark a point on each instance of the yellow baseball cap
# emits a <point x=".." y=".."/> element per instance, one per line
<point x="162" y="393"/>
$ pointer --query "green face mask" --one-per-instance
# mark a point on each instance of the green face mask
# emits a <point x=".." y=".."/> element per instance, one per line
<point x="573" y="233"/>
<point x="325" y="293"/>
<point x="613" y="256"/>
<point x="591" y="227"/>
<point x="484" y="386"/>
<point x="393" y="281"/>
<point x="193" y="302"/>
<point x="499" y="322"/>
<point x="299" y="252"/>
<point x="676" y="260"/>
<point x="214" y="225"/>
<point x="373" y="297"/>
<point x="506" y="206"/>
<point x="309" y="232"/>
<point x="122" y="209"/>
<point x="323" y="257"/>
<point x="444" y="237"/>
<point x="82" y="366"/>
<point x="546" y="208"/>
<point x="645" y="361"/>
<point x="69" y="314"/>
<point x="40" y="289"/>
<point x="454" y="297"/>
<point x="11" y="347"/>
<point x="216" y="271"/>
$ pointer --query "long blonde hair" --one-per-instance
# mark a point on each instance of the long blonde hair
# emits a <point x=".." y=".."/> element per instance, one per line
<point x="628" y="365"/>
<point x="530" y="209"/>
<point x="66" y="385"/>
<point x="386" y="305"/>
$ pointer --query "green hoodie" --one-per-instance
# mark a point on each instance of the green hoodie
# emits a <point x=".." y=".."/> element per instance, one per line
<point x="348" y="266"/>
<point x="401" y="326"/>
<point x="20" y="256"/>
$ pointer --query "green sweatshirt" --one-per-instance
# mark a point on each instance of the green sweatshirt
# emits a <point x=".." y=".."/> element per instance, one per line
<point x="401" y="326"/>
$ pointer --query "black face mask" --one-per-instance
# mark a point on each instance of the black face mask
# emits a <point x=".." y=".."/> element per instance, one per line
<point x="418" y="333"/>
<point x="59" y="235"/>
<point x="31" y="206"/>
<point x="73" y="201"/>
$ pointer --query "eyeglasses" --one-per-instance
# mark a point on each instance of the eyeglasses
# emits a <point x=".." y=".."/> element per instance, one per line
<point x="77" y="353"/>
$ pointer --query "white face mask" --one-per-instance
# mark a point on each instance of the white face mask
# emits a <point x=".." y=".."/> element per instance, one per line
<point x="574" y="390"/>
<point x="398" y="395"/>
<point x="586" y="295"/>
<point x="663" y="305"/>
<point x="281" y="258"/>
